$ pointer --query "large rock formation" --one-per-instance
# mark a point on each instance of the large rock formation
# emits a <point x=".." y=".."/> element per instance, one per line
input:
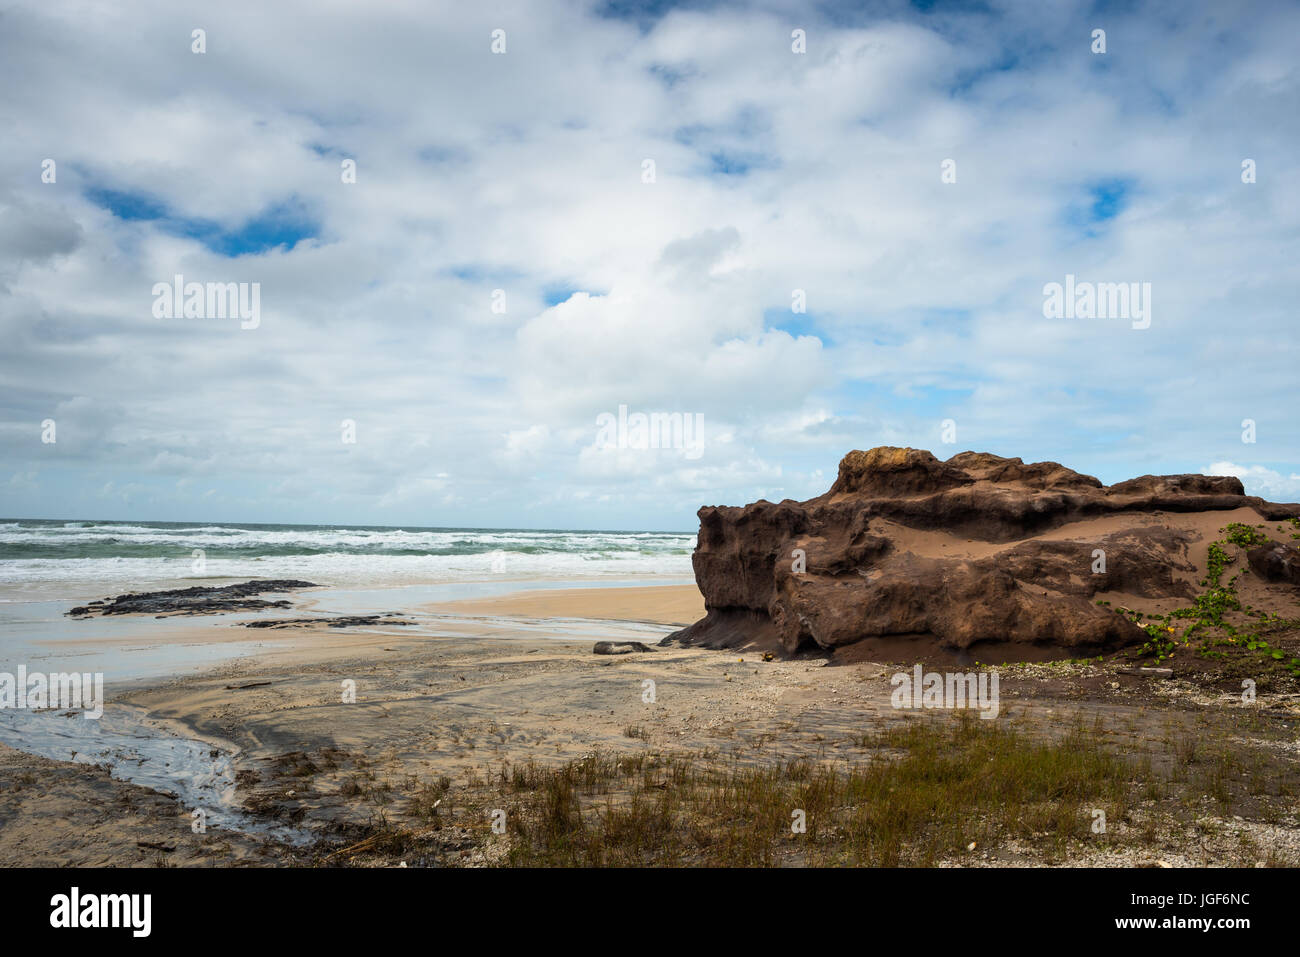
<point x="976" y="558"/>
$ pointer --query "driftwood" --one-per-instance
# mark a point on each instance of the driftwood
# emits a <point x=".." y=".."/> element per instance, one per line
<point x="367" y="843"/>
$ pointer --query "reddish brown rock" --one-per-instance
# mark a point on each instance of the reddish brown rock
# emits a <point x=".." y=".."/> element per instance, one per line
<point x="1275" y="562"/>
<point x="977" y="558"/>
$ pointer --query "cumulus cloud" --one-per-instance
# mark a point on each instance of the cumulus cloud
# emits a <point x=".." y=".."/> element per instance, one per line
<point x="780" y="178"/>
<point x="1259" y="480"/>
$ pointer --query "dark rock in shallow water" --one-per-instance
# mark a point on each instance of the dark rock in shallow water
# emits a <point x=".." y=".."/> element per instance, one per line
<point x="619" y="647"/>
<point x="908" y="557"/>
<point x="343" y="621"/>
<point x="199" y="600"/>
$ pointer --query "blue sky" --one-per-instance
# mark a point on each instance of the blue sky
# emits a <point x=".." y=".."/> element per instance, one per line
<point x="502" y="272"/>
<point x="281" y="226"/>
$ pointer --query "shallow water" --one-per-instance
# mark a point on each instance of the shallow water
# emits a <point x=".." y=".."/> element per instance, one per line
<point x="146" y="753"/>
<point x="133" y="650"/>
<point x="130" y="649"/>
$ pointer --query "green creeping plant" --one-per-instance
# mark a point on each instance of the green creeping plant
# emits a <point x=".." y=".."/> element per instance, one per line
<point x="1207" y="611"/>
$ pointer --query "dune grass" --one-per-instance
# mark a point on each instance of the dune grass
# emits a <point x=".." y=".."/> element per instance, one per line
<point x="926" y="792"/>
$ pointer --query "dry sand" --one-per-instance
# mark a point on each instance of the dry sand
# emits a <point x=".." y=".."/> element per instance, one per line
<point x="664" y="604"/>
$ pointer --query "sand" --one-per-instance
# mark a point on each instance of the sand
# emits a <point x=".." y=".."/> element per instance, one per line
<point x="469" y="707"/>
<point x="664" y="604"/>
<point x="502" y="684"/>
<point x="61" y="814"/>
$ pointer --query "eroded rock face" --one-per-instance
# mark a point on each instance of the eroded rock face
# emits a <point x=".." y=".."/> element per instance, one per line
<point x="979" y="557"/>
<point x="1276" y="562"/>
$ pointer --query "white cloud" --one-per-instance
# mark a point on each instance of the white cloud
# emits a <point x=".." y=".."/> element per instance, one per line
<point x="1260" y="480"/>
<point x="523" y="172"/>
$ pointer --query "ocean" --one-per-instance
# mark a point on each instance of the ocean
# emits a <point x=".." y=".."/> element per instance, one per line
<point x="43" y="559"/>
<point x="48" y="566"/>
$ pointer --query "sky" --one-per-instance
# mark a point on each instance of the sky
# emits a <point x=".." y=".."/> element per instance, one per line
<point x="625" y="205"/>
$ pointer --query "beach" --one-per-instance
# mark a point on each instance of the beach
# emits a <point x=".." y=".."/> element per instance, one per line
<point x="655" y="436"/>
<point x="667" y="605"/>
<point x="397" y="745"/>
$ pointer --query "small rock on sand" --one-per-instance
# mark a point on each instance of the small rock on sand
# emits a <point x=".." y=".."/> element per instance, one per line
<point x="619" y="647"/>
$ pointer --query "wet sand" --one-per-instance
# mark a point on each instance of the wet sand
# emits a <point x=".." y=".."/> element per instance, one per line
<point x="60" y="814"/>
<point x="487" y="685"/>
